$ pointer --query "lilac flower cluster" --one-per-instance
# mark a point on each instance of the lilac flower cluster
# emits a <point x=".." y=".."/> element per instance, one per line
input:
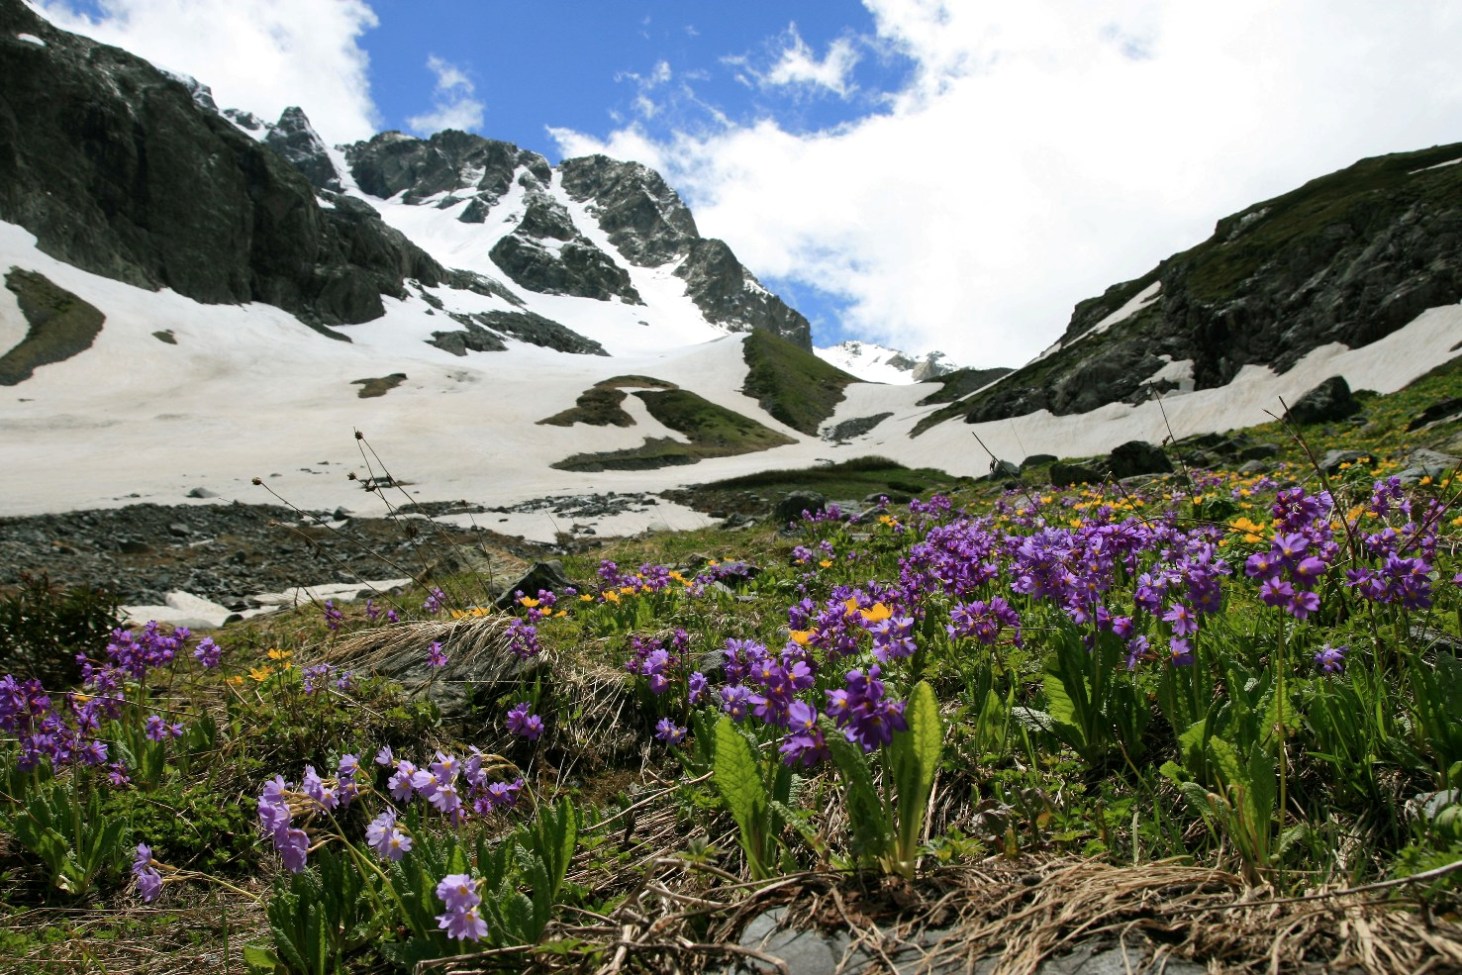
<point x="1405" y="558"/>
<point x="334" y="618"/>
<point x="438" y="786"/>
<point x="436" y="601"/>
<point x="452" y="787"/>
<point x="463" y="919"/>
<point x="522" y="639"/>
<point x="1301" y="552"/>
<point x="145" y="872"/>
<point x="68" y="731"/>
<point x="523" y="723"/>
<point x="658" y="660"/>
<point x="317" y="677"/>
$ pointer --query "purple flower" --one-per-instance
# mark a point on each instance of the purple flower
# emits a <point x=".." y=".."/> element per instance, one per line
<point x="435" y="657"/>
<point x="463" y="925"/>
<point x="1181" y="617"/>
<point x="156" y="729"/>
<point x="294" y="848"/>
<point x="522" y="639"/>
<point x="149" y="881"/>
<point x="400" y="782"/>
<point x="458" y="891"/>
<point x="1330" y="659"/>
<point x="207" y="653"/>
<point x="736" y="701"/>
<point x="520" y="722"/>
<point x="435" y="600"/>
<point x="669" y="732"/>
<point x="317" y="789"/>
<point x="387" y="838"/>
<point x="333" y="616"/>
<point x="696" y="687"/>
<point x="385" y="756"/>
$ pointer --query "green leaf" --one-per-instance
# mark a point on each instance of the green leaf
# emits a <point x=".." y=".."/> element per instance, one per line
<point x="1065" y="717"/>
<point x="738" y="781"/>
<point x="868" y="816"/>
<point x="261" y="959"/>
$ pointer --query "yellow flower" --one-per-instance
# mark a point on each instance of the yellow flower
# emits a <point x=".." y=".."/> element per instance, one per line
<point x="1425" y="480"/>
<point x="876" y="612"/>
<point x="261" y="674"/>
<point x="528" y="601"/>
<point x="585" y="597"/>
<point x="801" y="637"/>
<point x="611" y="596"/>
<point x="234" y="681"/>
<point x="826" y="563"/>
<point x="278" y="654"/>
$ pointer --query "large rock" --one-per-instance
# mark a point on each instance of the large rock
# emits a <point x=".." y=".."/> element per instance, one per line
<point x="1326" y="403"/>
<point x="1138" y="457"/>
<point x="116" y="168"/>
<point x="1068" y="475"/>
<point x="790" y="508"/>
<point x="577" y="268"/>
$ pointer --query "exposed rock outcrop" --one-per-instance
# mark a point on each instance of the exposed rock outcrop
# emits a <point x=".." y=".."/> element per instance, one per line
<point x="118" y="169"/>
<point x="1347" y="258"/>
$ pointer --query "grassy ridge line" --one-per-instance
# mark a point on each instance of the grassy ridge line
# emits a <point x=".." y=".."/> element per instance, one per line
<point x="793" y="386"/>
<point x="713" y="431"/>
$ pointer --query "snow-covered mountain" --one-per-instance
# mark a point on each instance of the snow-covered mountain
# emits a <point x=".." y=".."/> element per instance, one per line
<point x="879" y="364"/>
<point x="195" y="300"/>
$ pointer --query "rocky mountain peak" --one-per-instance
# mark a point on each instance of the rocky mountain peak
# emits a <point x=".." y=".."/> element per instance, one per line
<point x="296" y="140"/>
<point x="392" y="162"/>
<point x="644" y="218"/>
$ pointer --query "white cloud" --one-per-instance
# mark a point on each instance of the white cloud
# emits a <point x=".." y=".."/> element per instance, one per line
<point x="453" y="106"/>
<point x="799" y="67"/>
<point x="261" y="55"/>
<point x="1043" y="151"/>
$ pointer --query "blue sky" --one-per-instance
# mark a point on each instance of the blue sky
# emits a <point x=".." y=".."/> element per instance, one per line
<point x="929" y="174"/>
<point x="594" y="66"/>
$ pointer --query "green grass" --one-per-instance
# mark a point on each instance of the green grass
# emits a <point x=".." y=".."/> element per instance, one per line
<point x="1355" y="196"/>
<point x="793" y="386"/>
<point x="713" y="431"/>
<point x="960" y="383"/>
<point x="599" y="405"/>
<point x="852" y="479"/>
<point x="379" y="385"/>
<point x="61" y="326"/>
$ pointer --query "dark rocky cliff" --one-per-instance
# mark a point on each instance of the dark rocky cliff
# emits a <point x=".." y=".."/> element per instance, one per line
<point x="116" y="168"/>
<point x="1350" y="258"/>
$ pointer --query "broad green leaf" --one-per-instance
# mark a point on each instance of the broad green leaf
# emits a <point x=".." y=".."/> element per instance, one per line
<point x="1231" y="771"/>
<point x="261" y="959"/>
<point x="737" y="777"/>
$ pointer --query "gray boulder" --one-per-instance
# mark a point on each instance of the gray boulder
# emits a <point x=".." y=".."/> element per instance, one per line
<point x="790" y="508"/>
<point x="1138" y="457"/>
<point x="1326" y="403"/>
<point x="1066" y="475"/>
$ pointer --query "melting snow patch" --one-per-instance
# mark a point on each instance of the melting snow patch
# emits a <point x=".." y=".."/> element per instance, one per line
<point x="30" y="39"/>
<point x="1449" y="162"/>
<point x="1180" y="372"/>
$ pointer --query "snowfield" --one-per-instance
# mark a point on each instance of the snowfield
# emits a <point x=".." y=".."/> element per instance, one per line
<point x="249" y="392"/>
